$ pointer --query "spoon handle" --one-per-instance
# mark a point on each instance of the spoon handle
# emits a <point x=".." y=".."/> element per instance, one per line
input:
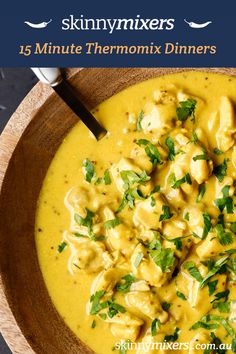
<point x="53" y="77"/>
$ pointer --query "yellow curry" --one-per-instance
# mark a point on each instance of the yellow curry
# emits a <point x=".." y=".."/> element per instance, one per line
<point x="136" y="233"/>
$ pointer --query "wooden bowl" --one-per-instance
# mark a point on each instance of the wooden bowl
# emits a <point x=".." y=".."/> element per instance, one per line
<point x="28" y="319"/>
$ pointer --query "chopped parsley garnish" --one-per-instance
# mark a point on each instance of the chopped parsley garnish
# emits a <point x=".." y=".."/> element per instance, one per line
<point x="172" y="337"/>
<point x="93" y="325"/>
<point x="220" y="321"/>
<point x="139" y="121"/>
<point x="233" y="348"/>
<point x="186" y="216"/>
<point x="215" y="269"/>
<point x="156" y="189"/>
<point x="171" y="147"/>
<point x="201" y="192"/>
<point x="212" y="287"/>
<point x="207" y="225"/>
<point x="103" y="316"/>
<point x="138" y="259"/>
<point x="130" y="177"/>
<point x="166" y="213"/>
<point x="226" y="202"/>
<point x="125" y="284"/>
<point x="89" y="169"/>
<point x="164" y="258"/>
<point x="217" y="151"/>
<point x="201" y="324"/>
<point x="225" y="238"/>
<point x="184" y="179"/>
<point x="203" y="156"/>
<point x="156" y="322"/>
<point x="110" y="224"/>
<point x="220" y="171"/>
<point x="114" y="308"/>
<point x="193" y="270"/>
<point x="233" y="227"/>
<point x="181" y="295"/>
<point x="165" y="306"/>
<point x="194" y="138"/>
<point x="153" y="201"/>
<point x="61" y="247"/>
<point x="151" y="151"/>
<point x="186" y="109"/>
<point x="221" y="295"/>
<point x="97" y="305"/>
<point x="106" y="179"/>
<point x="87" y="221"/>
<point x="129" y="198"/>
<point x="222" y="306"/>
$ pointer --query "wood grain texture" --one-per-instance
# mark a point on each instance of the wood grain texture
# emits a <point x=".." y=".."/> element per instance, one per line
<point x="28" y="320"/>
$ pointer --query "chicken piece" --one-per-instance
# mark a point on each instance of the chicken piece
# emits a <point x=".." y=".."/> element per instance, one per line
<point x="121" y="237"/>
<point x="158" y="118"/>
<point x="225" y="135"/>
<point x="196" y="221"/>
<point x="140" y="285"/>
<point x="147" y="269"/>
<point x="125" y="326"/>
<point x="200" y="170"/>
<point x="147" y="303"/>
<point x="107" y="280"/>
<point x="147" y="213"/>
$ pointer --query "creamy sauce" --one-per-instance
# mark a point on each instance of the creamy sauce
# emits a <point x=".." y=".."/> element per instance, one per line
<point x="170" y="156"/>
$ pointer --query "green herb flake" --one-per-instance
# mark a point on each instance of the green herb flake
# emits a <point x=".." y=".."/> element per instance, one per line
<point x="153" y="201"/>
<point x="194" y="138"/>
<point x="138" y="259"/>
<point x="217" y="151"/>
<point x="172" y="337"/>
<point x="125" y="284"/>
<point x="203" y="156"/>
<point x="181" y="295"/>
<point x="193" y="270"/>
<point x="171" y="147"/>
<point x="186" y="216"/>
<point x="151" y="151"/>
<point x="233" y="227"/>
<point x="207" y="225"/>
<point x="111" y="224"/>
<point x="114" y="309"/>
<point x="233" y="347"/>
<point x="103" y="316"/>
<point x="201" y="192"/>
<point x="93" y="325"/>
<point x="87" y="221"/>
<point x="220" y="171"/>
<point x="186" y="109"/>
<point x="166" y="213"/>
<point x="163" y="258"/>
<point x="212" y="287"/>
<point x="226" y="202"/>
<point x="225" y="238"/>
<point x="61" y="247"/>
<point x="139" y="121"/>
<point x="96" y="305"/>
<point x="156" y="322"/>
<point x="184" y="179"/>
<point x="89" y="169"/>
<point x="215" y="269"/>
<point x="165" y="306"/>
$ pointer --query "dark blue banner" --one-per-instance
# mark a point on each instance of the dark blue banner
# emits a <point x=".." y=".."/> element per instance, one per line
<point x="123" y="34"/>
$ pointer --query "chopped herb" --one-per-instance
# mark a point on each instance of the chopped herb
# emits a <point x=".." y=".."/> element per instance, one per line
<point x="217" y="343"/>
<point x="97" y="306"/>
<point x="203" y="156"/>
<point x="217" y="151"/>
<point x="186" y="216"/>
<point x="129" y="199"/>
<point x="194" y="138"/>
<point x="89" y="169"/>
<point x="61" y="247"/>
<point x="178" y="243"/>
<point x="124" y="347"/>
<point x="126" y="282"/>
<point x="139" y="121"/>
<point x="98" y="238"/>
<point x="165" y="306"/>
<point x="153" y="201"/>
<point x="201" y="192"/>
<point x="220" y="320"/>
<point x="221" y="295"/>
<point x="171" y="147"/>
<point x="87" y="221"/>
<point x="151" y="151"/>
<point x="207" y="225"/>
<point x="220" y="171"/>
<point x="225" y="238"/>
<point x="215" y="269"/>
<point x="226" y="202"/>
<point x="186" y="109"/>
<point x="233" y="348"/>
<point x="193" y="270"/>
<point x="130" y="177"/>
<point x="106" y="179"/>
<point x="156" y="189"/>
<point x="212" y="287"/>
<point x="155" y="244"/>
<point x="181" y="295"/>
<point x="156" y="322"/>
<point x="77" y="234"/>
<point x="184" y="179"/>
<point x="172" y="337"/>
<point x="138" y="259"/>
<point x="93" y="325"/>
<point x="222" y="306"/>
<point x="166" y="213"/>
<point x="233" y="227"/>
<point x="201" y="324"/>
<point x="114" y="308"/>
<point x="163" y="258"/>
<point x="110" y="224"/>
<point x="103" y="316"/>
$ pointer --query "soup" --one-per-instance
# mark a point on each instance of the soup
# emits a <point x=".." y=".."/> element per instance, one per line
<point x="136" y="233"/>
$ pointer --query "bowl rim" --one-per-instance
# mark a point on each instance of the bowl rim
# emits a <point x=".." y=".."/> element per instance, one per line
<point x="12" y="132"/>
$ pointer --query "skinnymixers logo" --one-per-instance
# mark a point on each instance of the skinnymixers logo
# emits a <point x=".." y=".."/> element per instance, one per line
<point x="81" y="23"/>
